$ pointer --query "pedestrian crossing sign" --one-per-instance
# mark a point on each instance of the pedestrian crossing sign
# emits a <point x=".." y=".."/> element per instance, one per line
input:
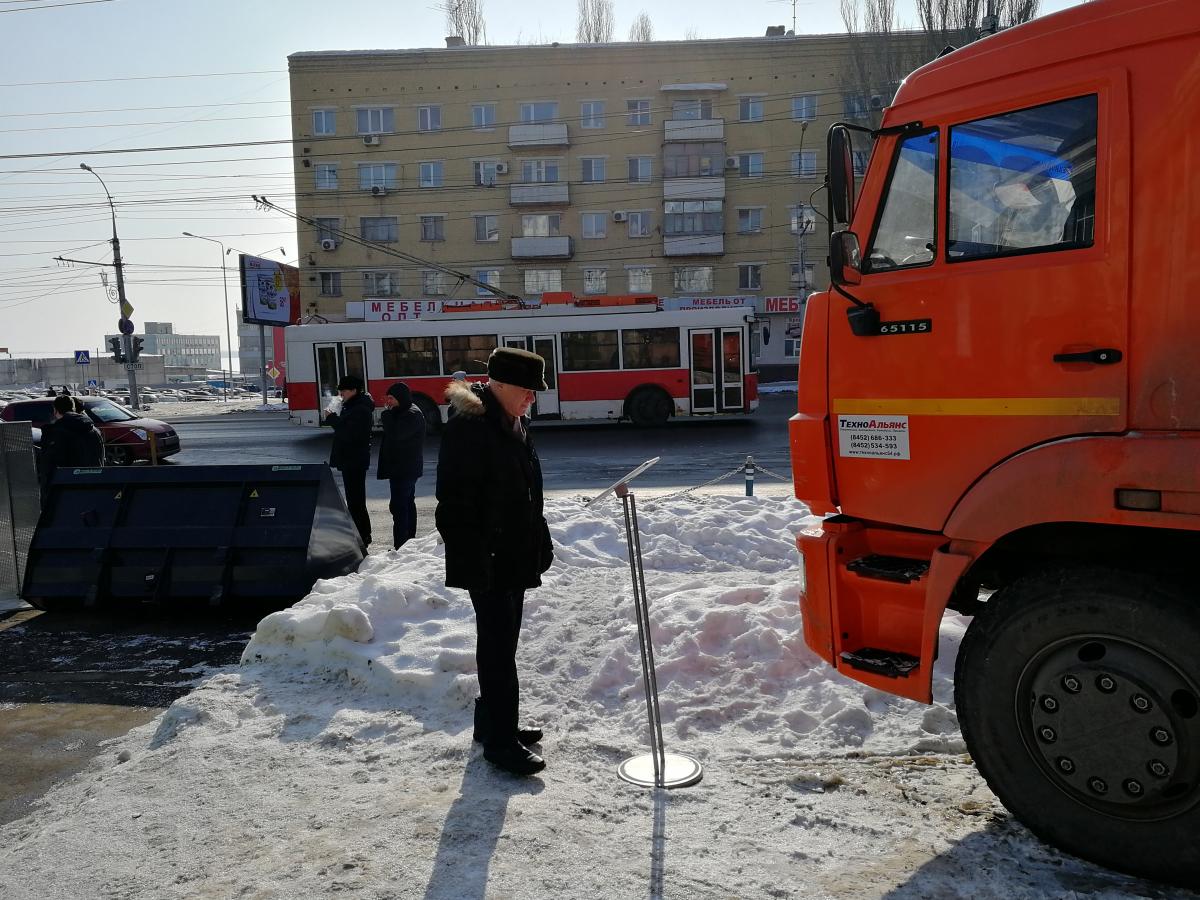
<point x="83" y="357"/>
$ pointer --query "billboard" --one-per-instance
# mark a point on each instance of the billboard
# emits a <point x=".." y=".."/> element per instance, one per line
<point x="270" y="291"/>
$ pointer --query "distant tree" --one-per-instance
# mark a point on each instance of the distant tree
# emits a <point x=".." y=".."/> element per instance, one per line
<point x="691" y="34"/>
<point x="595" y="22"/>
<point x="464" y="19"/>
<point x="641" y="29"/>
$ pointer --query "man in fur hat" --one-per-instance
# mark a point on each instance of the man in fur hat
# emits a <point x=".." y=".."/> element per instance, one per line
<point x="489" y="513"/>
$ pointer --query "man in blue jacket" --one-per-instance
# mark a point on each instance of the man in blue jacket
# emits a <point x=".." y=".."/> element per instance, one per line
<point x="401" y="459"/>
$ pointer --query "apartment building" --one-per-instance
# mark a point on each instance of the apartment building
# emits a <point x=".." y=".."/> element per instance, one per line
<point x="686" y="169"/>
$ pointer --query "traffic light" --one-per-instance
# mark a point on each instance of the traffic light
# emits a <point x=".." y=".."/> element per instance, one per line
<point x="135" y="348"/>
<point x="118" y="354"/>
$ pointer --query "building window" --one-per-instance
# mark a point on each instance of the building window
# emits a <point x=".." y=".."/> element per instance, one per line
<point x="804" y="108"/>
<point x="376" y="175"/>
<point x="487" y="229"/>
<point x="539" y="171"/>
<point x="410" y="356"/>
<point x="804" y="163"/>
<point x="328" y="229"/>
<point x="381" y="229"/>
<point x="750" y="277"/>
<point x="639" y="223"/>
<point x="467" y="352"/>
<point x="639" y="169"/>
<point x="640" y="280"/>
<point x="429" y="118"/>
<point x="810" y="275"/>
<point x="487" y="276"/>
<point x="855" y="106"/>
<point x="433" y="228"/>
<point x="540" y="111"/>
<point x="791" y="348"/>
<point x="331" y="284"/>
<point x="483" y="115"/>
<point x="692" y="109"/>
<point x="803" y="220"/>
<point x="650" y="348"/>
<point x="595" y="224"/>
<point x="750" y="221"/>
<point x="324" y="121"/>
<point x="750" y="165"/>
<point x="541" y="225"/>
<point x="376" y="120"/>
<point x="538" y="281"/>
<point x="585" y="351"/>
<point x="637" y="112"/>
<point x="595" y="281"/>
<point x="693" y="217"/>
<point x="859" y="158"/>
<point x="750" y="109"/>
<point x="433" y="282"/>
<point x="693" y="159"/>
<point x="485" y="172"/>
<point x="380" y="284"/>
<point x="591" y="114"/>
<point x="326" y="175"/>
<point x="592" y="170"/>
<point x="694" y="278"/>
<point x="431" y="174"/>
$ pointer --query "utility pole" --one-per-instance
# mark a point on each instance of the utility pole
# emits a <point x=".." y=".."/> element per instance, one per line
<point x="228" y="373"/>
<point x="125" y="325"/>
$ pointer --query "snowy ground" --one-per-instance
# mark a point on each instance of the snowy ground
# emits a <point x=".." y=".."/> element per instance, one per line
<point x="338" y="756"/>
<point x="172" y="411"/>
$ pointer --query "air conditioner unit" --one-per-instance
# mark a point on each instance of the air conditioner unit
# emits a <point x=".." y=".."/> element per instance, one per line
<point x="731" y="162"/>
<point x="328" y="244"/>
<point x="370" y="140"/>
<point x="794" y="278"/>
<point x="501" y="168"/>
<point x="620" y="216"/>
<point x="378" y="191"/>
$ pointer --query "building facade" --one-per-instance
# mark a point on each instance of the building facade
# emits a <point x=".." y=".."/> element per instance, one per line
<point x="183" y="350"/>
<point x="681" y="169"/>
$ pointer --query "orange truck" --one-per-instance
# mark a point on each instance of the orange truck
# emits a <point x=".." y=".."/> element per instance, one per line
<point x="999" y="415"/>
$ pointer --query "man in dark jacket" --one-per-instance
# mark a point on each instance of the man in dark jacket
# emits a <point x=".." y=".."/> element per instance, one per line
<point x="489" y="513"/>
<point x="70" y="441"/>
<point x="352" y="416"/>
<point x="401" y="459"/>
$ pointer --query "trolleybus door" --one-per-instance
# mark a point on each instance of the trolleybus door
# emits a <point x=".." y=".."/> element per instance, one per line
<point x="546" y="402"/>
<point x="731" y="397"/>
<point x="716" y="369"/>
<point x="333" y="361"/>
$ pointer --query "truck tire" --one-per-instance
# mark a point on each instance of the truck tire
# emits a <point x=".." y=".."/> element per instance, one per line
<point x="649" y="406"/>
<point x="1078" y="691"/>
<point x="429" y="409"/>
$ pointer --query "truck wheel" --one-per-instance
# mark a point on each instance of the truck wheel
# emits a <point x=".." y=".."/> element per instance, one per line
<point x="1078" y="693"/>
<point x="649" y="406"/>
<point x="429" y="409"/>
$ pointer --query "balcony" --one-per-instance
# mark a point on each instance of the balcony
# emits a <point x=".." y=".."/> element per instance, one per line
<point x="543" y="247"/>
<point x="707" y="188"/>
<point x="694" y="130"/>
<point x="693" y="245"/>
<point x="538" y="134"/>
<point x="539" y="194"/>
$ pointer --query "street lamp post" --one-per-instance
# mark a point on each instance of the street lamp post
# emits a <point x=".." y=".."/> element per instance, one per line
<point x="262" y="331"/>
<point x="227" y="373"/>
<point x="126" y="339"/>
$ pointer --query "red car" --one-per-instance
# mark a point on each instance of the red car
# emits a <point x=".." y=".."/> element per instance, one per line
<point x="126" y="435"/>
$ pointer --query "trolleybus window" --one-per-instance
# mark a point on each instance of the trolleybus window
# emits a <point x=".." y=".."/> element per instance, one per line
<point x="587" y="350"/>
<point x="410" y="356"/>
<point x="467" y="353"/>
<point x="650" y="348"/>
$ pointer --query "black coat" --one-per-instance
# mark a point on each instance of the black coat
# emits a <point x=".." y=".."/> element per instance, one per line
<point x="402" y="450"/>
<point x="352" y="433"/>
<point x="72" y="441"/>
<point x="489" y="492"/>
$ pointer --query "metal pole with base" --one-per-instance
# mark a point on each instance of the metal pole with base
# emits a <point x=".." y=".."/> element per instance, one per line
<point x="658" y="768"/>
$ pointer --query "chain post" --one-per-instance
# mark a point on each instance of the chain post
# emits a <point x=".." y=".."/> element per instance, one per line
<point x="749" y="476"/>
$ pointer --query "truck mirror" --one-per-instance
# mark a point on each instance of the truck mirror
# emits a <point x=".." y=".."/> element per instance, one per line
<point x="841" y="176"/>
<point x="844" y="258"/>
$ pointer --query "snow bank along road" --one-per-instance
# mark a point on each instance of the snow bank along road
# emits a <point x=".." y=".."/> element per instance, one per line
<point x="337" y="757"/>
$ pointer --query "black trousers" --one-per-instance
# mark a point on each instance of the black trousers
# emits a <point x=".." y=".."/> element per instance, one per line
<point x="403" y="507"/>
<point x="354" y="482"/>
<point x="497" y="629"/>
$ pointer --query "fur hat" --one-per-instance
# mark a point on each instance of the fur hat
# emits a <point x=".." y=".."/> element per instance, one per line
<point x="350" y="383"/>
<point x="402" y="393"/>
<point x="517" y="367"/>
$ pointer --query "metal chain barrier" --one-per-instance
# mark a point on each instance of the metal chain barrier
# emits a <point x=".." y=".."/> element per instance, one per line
<point x="653" y="500"/>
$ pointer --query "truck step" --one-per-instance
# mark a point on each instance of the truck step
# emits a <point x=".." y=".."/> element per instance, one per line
<point x="900" y="569"/>
<point x="887" y="663"/>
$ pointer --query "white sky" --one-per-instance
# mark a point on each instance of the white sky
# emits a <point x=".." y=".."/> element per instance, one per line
<point x="86" y="77"/>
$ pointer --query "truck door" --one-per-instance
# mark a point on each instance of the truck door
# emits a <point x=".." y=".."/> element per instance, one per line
<point x="997" y="258"/>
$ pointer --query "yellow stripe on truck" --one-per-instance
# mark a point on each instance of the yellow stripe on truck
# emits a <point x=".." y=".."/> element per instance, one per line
<point x="982" y="406"/>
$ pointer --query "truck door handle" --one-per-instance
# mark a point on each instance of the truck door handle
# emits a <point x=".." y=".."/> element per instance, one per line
<point x="1105" y="356"/>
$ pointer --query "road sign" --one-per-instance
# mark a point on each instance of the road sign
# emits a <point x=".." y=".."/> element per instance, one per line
<point x="83" y="357"/>
<point x="134" y="367"/>
<point x="92" y="382"/>
<point x="126" y="309"/>
<point x="273" y="372"/>
<point x="124" y="325"/>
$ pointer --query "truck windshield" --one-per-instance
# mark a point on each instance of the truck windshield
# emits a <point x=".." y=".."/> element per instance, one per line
<point x="905" y="236"/>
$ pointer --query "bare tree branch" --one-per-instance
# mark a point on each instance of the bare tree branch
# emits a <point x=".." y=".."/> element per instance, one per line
<point x="464" y="19"/>
<point x="641" y="29"/>
<point x="595" y="22"/>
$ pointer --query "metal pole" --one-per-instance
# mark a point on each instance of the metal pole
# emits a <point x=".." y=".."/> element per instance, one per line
<point x="226" y="371"/>
<point x="262" y="359"/>
<point x="749" y="476"/>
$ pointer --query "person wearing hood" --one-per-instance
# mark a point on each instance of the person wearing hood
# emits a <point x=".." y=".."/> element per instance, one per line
<point x="401" y="459"/>
<point x="351" y="415"/>
<point x="489" y="513"/>
<point x="71" y="441"/>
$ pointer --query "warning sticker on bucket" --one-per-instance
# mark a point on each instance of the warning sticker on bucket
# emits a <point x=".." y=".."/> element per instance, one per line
<point x="873" y="437"/>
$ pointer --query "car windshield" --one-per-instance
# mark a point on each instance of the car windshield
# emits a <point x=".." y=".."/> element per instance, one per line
<point x="107" y="411"/>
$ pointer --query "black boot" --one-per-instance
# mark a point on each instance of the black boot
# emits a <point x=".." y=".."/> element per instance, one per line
<point x="514" y="757"/>
<point x="527" y="736"/>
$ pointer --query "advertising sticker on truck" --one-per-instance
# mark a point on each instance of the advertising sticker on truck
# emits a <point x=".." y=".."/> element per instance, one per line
<point x="873" y="437"/>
